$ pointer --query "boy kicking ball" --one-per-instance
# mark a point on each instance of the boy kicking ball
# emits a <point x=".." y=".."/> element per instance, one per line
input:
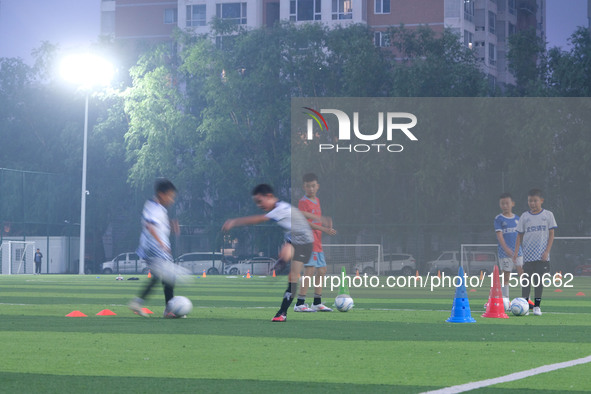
<point x="298" y="237"/>
<point x="155" y="244"/>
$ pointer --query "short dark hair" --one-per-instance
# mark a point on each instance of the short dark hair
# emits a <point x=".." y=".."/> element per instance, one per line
<point x="506" y="195"/>
<point x="310" y="177"/>
<point x="163" y="185"/>
<point x="535" y="193"/>
<point x="263" y="188"/>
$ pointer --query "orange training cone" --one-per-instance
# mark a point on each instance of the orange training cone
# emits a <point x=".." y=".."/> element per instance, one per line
<point x="273" y="273"/>
<point x="558" y="291"/>
<point x="204" y="275"/>
<point x="75" y="314"/>
<point x="357" y="272"/>
<point x="248" y="274"/>
<point x="439" y="274"/>
<point x="580" y="293"/>
<point x="559" y="275"/>
<point x="146" y="310"/>
<point x="481" y="275"/>
<point x="149" y="274"/>
<point x="495" y="306"/>
<point x="417" y="274"/>
<point x="106" y="312"/>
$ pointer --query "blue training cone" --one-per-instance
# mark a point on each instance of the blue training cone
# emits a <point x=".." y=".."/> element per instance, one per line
<point x="460" y="311"/>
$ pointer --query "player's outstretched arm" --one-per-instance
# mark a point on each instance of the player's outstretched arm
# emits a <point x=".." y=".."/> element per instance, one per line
<point x="244" y="221"/>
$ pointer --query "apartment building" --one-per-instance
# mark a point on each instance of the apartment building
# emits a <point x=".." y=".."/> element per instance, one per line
<point x="483" y="25"/>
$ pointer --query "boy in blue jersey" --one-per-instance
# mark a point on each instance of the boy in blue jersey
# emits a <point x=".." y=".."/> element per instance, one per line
<point x="155" y="243"/>
<point x="535" y="236"/>
<point x="506" y="230"/>
<point x="298" y="237"/>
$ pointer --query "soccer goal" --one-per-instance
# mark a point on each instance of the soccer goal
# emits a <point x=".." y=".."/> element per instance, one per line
<point x="568" y="255"/>
<point x="476" y="258"/>
<point x="363" y="257"/>
<point x="17" y="257"/>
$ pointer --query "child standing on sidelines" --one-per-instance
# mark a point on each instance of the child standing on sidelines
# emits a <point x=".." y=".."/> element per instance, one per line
<point x="155" y="244"/>
<point x="298" y="237"/>
<point x="316" y="266"/>
<point x="505" y="228"/>
<point x="535" y="236"/>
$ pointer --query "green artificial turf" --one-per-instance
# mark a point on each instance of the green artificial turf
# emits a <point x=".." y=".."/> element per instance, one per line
<point x="394" y="340"/>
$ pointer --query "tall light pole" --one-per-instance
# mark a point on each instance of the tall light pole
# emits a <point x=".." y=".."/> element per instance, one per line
<point x="88" y="72"/>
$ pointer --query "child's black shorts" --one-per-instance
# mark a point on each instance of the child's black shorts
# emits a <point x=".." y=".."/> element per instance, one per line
<point x="302" y="252"/>
<point x="536" y="267"/>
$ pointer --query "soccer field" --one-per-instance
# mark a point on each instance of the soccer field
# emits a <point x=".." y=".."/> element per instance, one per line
<point x="394" y="340"/>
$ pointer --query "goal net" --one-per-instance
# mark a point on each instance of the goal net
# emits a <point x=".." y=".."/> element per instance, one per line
<point x="568" y="255"/>
<point x="477" y="258"/>
<point x="363" y="257"/>
<point x="17" y="257"/>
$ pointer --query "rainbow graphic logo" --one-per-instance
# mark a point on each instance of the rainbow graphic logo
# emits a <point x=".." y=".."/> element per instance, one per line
<point x="317" y="117"/>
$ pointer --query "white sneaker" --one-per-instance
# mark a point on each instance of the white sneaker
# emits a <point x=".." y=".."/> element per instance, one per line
<point x="303" y="308"/>
<point x="136" y="306"/>
<point x="537" y="311"/>
<point x="321" y="308"/>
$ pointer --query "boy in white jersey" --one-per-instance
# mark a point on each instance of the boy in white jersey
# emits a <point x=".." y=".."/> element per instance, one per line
<point x="505" y="228"/>
<point x="155" y="243"/>
<point x="535" y="236"/>
<point x="298" y="237"/>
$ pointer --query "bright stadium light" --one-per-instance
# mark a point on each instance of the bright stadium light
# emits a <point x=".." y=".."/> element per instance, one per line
<point x="87" y="72"/>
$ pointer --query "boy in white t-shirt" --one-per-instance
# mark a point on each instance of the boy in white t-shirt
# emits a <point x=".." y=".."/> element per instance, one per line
<point x="535" y="236"/>
<point x="298" y="237"/>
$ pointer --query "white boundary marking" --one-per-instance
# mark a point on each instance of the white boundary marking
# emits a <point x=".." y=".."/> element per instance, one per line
<point x="511" y="377"/>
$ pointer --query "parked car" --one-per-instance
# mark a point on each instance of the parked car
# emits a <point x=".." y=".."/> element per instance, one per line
<point x="474" y="262"/>
<point x="125" y="263"/>
<point x="197" y="262"/>
<point x="256" y="266"/>
<point x="392" y="263"/>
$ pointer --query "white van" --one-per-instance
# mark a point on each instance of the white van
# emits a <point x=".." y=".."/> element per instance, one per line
<point x="197" y="262"/>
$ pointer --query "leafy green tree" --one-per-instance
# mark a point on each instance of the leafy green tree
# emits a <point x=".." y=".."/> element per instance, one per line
<point x="434" y="65"/>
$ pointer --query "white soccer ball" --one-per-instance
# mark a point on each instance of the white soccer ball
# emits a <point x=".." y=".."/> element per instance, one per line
<point x="180" y="305"/>
<point x="519" y="306"/>
<point x="343" y="302"/>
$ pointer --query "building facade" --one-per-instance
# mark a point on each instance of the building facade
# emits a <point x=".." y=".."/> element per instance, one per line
<point x="483" y="25"/>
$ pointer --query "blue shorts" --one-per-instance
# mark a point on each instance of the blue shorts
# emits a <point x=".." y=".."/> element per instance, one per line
<point x="316" y="260"/>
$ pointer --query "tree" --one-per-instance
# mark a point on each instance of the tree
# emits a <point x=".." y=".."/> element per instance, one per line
<point x="434" y="65"/>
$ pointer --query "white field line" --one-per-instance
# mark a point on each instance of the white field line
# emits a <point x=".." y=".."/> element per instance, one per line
<point x="511" y="377"/>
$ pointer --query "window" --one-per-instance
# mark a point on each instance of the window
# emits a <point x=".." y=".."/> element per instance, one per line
<point x="469" y="10"/>
<point x="170" y="16"/>
<point x="511" y="29"/>
<point x="381" y="39"/>
<point x="511" y="6"/>
<point x="492" y="54"/>
<point x="382" y="7"/>
<point x="304" y="10"/>
<point x="492" y="22"/>
<point x="468" y="39"/>
<point x="342" y="9"/>
<point x="232" y="12"/>
<point x="196" y="15"/>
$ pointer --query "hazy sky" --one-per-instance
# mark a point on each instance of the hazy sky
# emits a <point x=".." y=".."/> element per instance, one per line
<point x="24" y="24"/>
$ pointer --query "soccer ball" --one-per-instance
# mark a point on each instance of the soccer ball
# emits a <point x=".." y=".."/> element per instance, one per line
<point x="519" y="306"/>
<point x="343" y="302"/>
<point x="180" y="305"/>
